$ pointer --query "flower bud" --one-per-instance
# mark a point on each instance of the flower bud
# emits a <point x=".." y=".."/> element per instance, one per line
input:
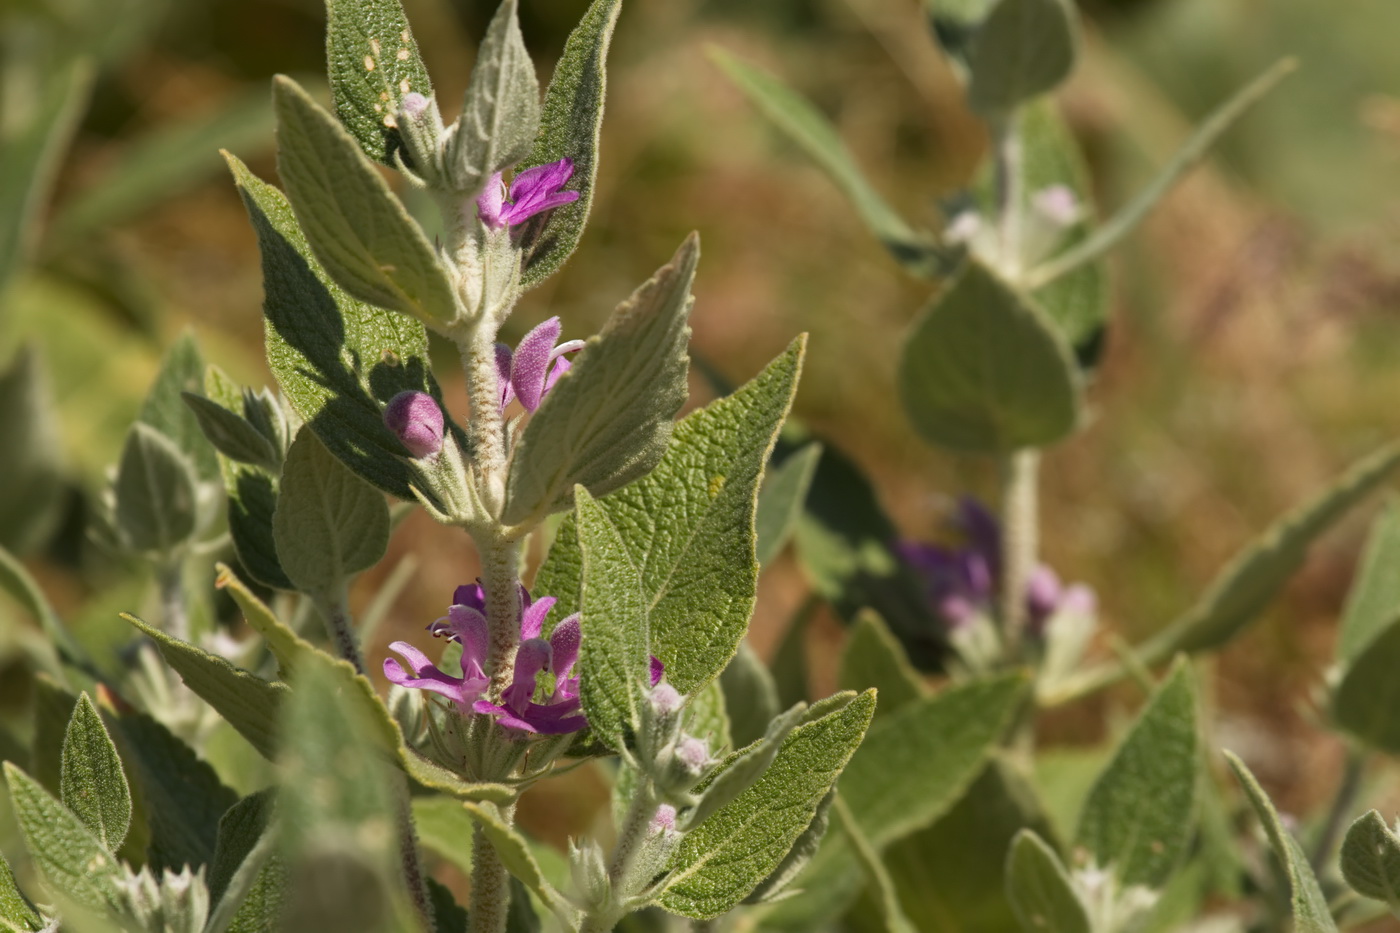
<point x="590" y="876"/>
<point x="666" y="700"/>
<point x="420" y="128"/>
<point x="416" y="421"/>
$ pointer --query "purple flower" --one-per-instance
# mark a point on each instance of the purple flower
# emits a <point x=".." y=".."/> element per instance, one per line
<point x="532" y="192"/>
<point x="526" y="373"/>
<point x="416" y="421"/>
<point x="961" y="583"/>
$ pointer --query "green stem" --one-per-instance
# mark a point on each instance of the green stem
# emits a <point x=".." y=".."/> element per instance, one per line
<point x="1019" y="543"/>
<point x="335" y="612"/>
<point x="490" y="896"/>
<point x="1010" y="184"/>
<point x="633" y="830"/>
<point x="1342" y="805"/>
<point x="172" y="599"/>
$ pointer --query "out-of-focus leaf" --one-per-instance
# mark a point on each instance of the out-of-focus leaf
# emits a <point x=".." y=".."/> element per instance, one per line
<point x="569" y="128"/>
<point x="163" y="163"/>
<point x="877" y="876"/>
<point x="1141" y="814"/>
<point x="53" y="707"/>
<point x="1039" y="889"/>
<point x="750" y="696"/>
<point x="358" y="229"/>
<point x="31" y="455"/>
<point x="17" y="915"/>
<point x="231" y="434"/>
<point x="373" y="62"/>
<point x="984" y="371"/>
<point x="501" y="112"/>
<point x="181" y="370"/>
<point x="71" y="857"/>
<point x="339" y="361"/>
<point x="246" y="701"/>
<point x="445" y="826"/>
<point x="698" y="573"/>
<point x="608" y="419"/>
<point x="30" y="155"/>
<point x="781" y="499"/>
<point x="723" y="859"/>
<point x="1371" y="859"/>
<point x="874" y="658"/>
<point x="155" y="493"/>
<point x="329" y="524"/>
<point x="1363" y="702"/>
<point x="1310" y="912"/>
<point x="1373" y="603"/>
<point x="92" y="783"/>
<point x="21" y="586"/>
<point x="1023" y="48"/>
<point x="954" y="24"/>
<point x="809" y="129"/>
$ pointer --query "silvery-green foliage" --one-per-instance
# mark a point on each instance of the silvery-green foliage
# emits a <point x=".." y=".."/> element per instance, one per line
<point x="1370" y="859"/>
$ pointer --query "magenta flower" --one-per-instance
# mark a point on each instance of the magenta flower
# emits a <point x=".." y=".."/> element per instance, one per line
<point x="416" y="421"/>
<point x="527" y="373"/>
<point x="961" y="583"/>
<point x="532" y="192"/>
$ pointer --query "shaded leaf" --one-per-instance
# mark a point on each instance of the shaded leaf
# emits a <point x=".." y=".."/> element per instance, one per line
<point x="155" y="492"/>
<point x="873" y="657"/>
<point x="781" y="499"/>
<point x="1039" y="888"/>
<point x="1023" y="48"/>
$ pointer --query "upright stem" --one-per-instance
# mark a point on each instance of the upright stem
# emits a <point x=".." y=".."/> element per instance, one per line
<point x="1010" y="185"/>
<point x="1019" y="543"/>
<point x="335" y="610"/>
<point x="172" y="599"/>
<point x="634" y="828"/>
<point x="1340" y="811"/>
<point x="490" y="896"/>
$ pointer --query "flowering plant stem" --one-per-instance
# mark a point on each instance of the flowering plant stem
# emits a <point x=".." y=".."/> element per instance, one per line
<point x="629" y="837"/>
<point x="490" y="895"/>
<point x="1019" y="540"/>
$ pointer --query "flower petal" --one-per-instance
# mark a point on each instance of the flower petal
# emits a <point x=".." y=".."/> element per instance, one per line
<point x="532" y="361"/>
<point x="532" y="619"/>
<point x="564" y="640"/>
<point x="490" y="201"/>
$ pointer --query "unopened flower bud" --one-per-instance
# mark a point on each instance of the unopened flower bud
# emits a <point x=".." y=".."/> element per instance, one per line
<point x="416" y="421"/>
<point x="665" y="819"/>
<point x="693" y="753"/>
<point x="666" y="700"/>
<point x="414" y="104"/>
<point x="420" y="128"/>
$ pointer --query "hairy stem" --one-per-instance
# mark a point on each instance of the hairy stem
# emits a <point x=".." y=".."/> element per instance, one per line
<point x="486" y="428"/>
<point x="335" y="612"/>
<point x="172" y="600"/>
<point x="1010" y="194"/>
<point x="633" y="830"/>
<point x="490" y="896"/>
<point x="1019" y="534"/>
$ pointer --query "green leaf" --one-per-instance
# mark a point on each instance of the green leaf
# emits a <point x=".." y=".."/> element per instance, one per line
<point x="723" y="859"/>
<point x="501" y="111"/>
<point x="696" y="560"/>
<point x="780" y="501"/>
<point x="750" y="696"/>
<point x="984" y="371"/>
<point x="1371" y="859"/>
<point x="513" y="851"/>
<point x="92" y="784"/>
<point x="231" y="434"/>
<point x="239" y="831"/>
<point x="329" y="524"/>
<point x="569" y="128"/>
<point x="877" y="876"/>
<point x="614" y="654"/>
<point x="1363" y="700"/>
<point x="356" y="226"/>
<point x="53" y="708"/>
<point x="943" y="739"/>
<point x="1373" y="602"/>
<point x="361" y="34"/>
<point x="247" y="879"/>
<point x="71" y="857"/>
<point x="181" y="371"/>
<point x="1192" y="151"/>
<point x="16" y="580"/>
<point x="31" y="467"/>
<point x="707" y="718"/>
<point x="606" y="422"/>
<point x="844" y="544"/>
<point x="155" y="492"/>
<point x="249" y="703"/>
<point x="445" y="826"/>
<point x="16" y="913"/>
<point x="744" y="767"/>
<point x="1250" y="581"/>
<point x="339" y="361"/>
<point x="1141" y="814"/>
<point x="1039" y="888"/>
<point x="809" y="129"/>
<point x="954" y="24"/>
<point x="183" y="795"/>
<point x="1310" y="913"/>
<point x="875" y="658"/>
<point x="1023" y="48"/>
<point x="31" y="155"/>
<point x="448" y="915"/>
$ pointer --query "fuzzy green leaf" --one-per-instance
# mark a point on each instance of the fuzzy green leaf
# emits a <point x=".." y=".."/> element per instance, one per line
<point x="17" y="915"/>
<point x="356" y="226"/>
<point x="71" y="857"/>
<point x="93" y="784"/>
<point x="569" y="128"/>
<point x="875" y="658"/>
<point x="1310" y="912"/>
<point x="501" y="112"/>
<point x="614" y="654"/>
<point x="954" y="24"/>
<point x="373" y="62"/>
<point x="750" y="696"/>
<point x="1363" y="702"/>
<point x="32" y="468"/>
<point x="608" y="419"/>
<point x="696" y="560"/>
<point x="780" y="501"/>
<point x="155" y="492"/>
<point x="1373" y="602"/>
<point x="1371" y="859"/>
<point x="231" y="434"/>
<point x="806" y="126"/>
<point x="724" y="858"/>
<point x="984" y="371"/>
<point x="1140" y="816"/>
<point x="181" y="371"/>
<point x="338" y="360"/>
<point x="1039" y="888"/>
<point x="1023" y="48"/>
<point x="329" y="524"/>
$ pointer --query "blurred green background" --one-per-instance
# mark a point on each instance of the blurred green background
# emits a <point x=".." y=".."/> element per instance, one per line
<point x="1251" y="353"/>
